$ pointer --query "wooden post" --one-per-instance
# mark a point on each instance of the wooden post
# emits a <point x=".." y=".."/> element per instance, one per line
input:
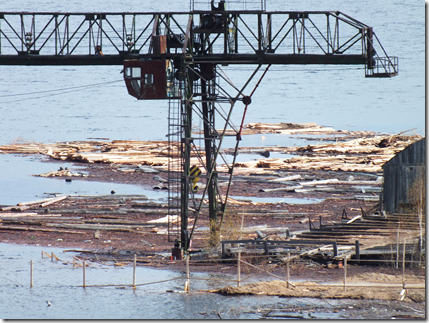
<point x="238" y="269"/>
<point x="420" y="251"/>
<point x="397" y="247"/>
<point x="288" y="269"/>
<point x="31" y="273"/>
<point x="134" y="271"/>
<point x="345" y="272"/>
<point x="42" y="254"/>
<point x="403" y="267"/>
<point x="52" y="257"/>
<point x="84" y="265"/>
<point x="335" y="248"/>
<point x="357" y="250"/>
<point x="74" y="261"/>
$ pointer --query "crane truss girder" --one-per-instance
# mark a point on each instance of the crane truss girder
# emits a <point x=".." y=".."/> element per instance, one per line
<point x="229" y="37"/>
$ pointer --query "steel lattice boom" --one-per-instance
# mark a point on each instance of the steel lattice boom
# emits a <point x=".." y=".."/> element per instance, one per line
<point x="237" y="37"/>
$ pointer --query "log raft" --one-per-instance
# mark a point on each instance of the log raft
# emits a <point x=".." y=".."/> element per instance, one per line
<point x="363" y="152"/>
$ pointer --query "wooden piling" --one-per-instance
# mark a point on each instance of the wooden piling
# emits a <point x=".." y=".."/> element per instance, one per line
<point x="345" y="272"/>
<point x="335" y="248"/>
<point x="134" y="271"/>
<point x="266" y="247"/>
<point x="288" y="269"/>
<point x="31" y="273"/>
<point x="84" y="266"/>
<point x="357" y="250"/>
<point x="238" y="269"/>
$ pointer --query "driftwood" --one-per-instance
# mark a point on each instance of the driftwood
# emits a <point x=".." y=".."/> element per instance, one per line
<point x="20" y="228"/>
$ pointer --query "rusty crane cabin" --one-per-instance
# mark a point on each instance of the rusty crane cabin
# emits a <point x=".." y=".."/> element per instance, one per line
<point x="151" y="79"/>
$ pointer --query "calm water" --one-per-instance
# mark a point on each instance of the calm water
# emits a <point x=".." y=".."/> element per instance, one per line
<point x="58" y="283"/>
<point x="339" y="97"/>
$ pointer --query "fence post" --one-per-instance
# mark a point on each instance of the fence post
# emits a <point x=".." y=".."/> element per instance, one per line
<point x="187" y="274"/>
<point x="31" y="273"/>
<point x="345" y="272"/>
<point x="403" y="267"/>
<point x="52" y="256"/>
<point x="134" y="271"/>
<point x="74" y="261"/>
<point x="84" y="265"/>
<point x="420" y="251"/>
<point x="288" y="269"/>
<point x="238" y="268"/>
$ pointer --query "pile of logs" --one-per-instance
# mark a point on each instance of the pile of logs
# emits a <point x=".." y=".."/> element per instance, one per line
<point x="367" y="152"/>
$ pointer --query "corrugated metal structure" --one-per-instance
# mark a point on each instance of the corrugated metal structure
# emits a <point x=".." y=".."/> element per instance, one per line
<point x="404" y="178"/>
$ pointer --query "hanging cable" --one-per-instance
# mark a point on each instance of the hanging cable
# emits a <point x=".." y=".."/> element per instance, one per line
<point x="63" y="91"/>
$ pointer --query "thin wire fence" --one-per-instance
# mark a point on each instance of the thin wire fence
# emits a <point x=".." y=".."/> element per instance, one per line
<point x="244" y="264"/>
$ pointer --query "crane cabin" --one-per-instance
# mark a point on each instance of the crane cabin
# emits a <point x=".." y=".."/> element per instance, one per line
<point x="149" y="79"/>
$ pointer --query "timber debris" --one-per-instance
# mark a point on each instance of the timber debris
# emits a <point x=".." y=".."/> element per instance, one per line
<point x="351" y="151"/>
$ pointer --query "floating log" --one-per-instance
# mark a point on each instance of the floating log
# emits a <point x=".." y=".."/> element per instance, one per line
<point x="8" y="215"/>
<point x="126" y="228"/>
<point x="288" y="189"/>
<point x="54" y="200"/>
<point x="321" y="182"/>
<point x="166" y="219"/>
<point x="14" y="228"/>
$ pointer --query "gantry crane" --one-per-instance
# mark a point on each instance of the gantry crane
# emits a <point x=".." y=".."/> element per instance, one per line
<point x="177" y="56"/>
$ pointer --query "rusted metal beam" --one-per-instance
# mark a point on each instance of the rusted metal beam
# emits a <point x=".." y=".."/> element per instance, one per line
<point x="240" y="59"/>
